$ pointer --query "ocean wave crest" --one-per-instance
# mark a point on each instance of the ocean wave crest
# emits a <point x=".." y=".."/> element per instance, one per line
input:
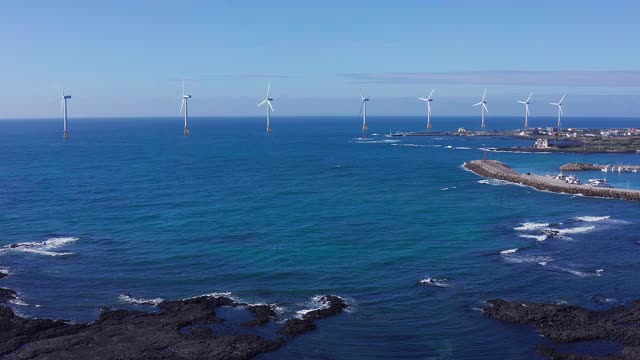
<point x="43" y="247"/>
<point x="130" y="299"/>
<point x="435" y="282"/>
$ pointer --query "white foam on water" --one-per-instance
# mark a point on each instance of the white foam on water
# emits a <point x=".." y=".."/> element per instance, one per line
<point x="579" y="273"/>
<point x="592" y="218"/>
<point x="575" y="230"/>
<point x="530" y="226"/>
<point x="509" y="251"/>
<point x="493" y="182"/>
<point x="534" y="237"/>
<point x="448" y="188"/>
<point x="315" y="303"/>
<point x="4" y="270"/>
<point x="18" y="302"/>
<point x="462" y="148"/>
<point x="434" y="282"/>
<point x="528" y="259"/>
<point x="128" y="298"/>
<point x="43" y="247"/>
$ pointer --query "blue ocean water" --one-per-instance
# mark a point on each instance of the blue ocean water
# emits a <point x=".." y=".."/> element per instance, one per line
<point x="132" y="206"/>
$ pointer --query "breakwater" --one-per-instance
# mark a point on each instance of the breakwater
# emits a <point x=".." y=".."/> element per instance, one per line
<point x="497" y="170"/>
<point x="589" y="166"/>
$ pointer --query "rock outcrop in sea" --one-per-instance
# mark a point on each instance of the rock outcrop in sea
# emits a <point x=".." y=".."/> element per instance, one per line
<point x="564" y="324"/>
<point x="181" y="329"/>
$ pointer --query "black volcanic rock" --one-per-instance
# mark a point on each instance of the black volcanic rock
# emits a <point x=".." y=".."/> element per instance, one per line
<point x="181" y="330"/>
<point x="6" y="295"/>
<point x="263" y="314"/>
<point x="571" y="324"/>
<point x="295" y="327"/>
<point x="332" y="305"/>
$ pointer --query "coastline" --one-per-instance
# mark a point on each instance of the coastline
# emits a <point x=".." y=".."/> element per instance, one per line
<point x="181" y="329"/>
<point x="496" y="170"/>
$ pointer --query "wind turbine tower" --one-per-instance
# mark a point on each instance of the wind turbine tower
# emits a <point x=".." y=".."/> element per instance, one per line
<point x="483" y="108"/>
<point x="428" y="100"/>
<point x="185" y="107"/>
<point x="363" y="111"/>
<point x="64" y="112"/>
<point x="267" y="100"/>
<point x="560" y="113"/>
<point x="526" y="110"/>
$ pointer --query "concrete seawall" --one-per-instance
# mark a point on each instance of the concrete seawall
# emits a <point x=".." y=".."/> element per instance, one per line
<point x="497" y="170"/>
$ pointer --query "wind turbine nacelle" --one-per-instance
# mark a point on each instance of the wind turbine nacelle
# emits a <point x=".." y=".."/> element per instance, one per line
<point x="269" y="99"/>
<point x="187" y="96"/>
<point x="67" y="97"/>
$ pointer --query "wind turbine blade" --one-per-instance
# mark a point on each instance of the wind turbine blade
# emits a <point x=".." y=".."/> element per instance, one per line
<point x="560" y="102"/>
<point x="268" y="88"/>
<point x="430" y="95"/>
<point x="529" y="98"/>
<point x="522" y="102"/>
<point x="423" y="99"/>
<point x="262" y="103"/>
<point x="62" y="105"/>
<point x="361" y="107"/>
<point x="361" y="95"/>
<point x="480" y="103"/>
<point x="269" y="103"/>
<point x="526" y="109"/>
<point x="485" y="107"/>
<point x="484" y="95"/>
<point x="556" y="104"/>
<point x="561" y="112"/>
<point x="183" y="88"/>
<point x="182" y="106"/>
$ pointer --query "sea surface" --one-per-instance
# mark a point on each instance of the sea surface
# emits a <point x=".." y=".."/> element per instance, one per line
<point x="131" y="206"/>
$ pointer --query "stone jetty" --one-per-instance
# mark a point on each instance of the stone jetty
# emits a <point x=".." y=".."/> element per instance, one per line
<point x="497" y="170"/>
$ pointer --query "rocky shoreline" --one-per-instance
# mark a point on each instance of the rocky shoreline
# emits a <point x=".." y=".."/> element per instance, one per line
<point x="497" y="170"/>
<point x="566" y="324"/>
<point x="181" y="329"/>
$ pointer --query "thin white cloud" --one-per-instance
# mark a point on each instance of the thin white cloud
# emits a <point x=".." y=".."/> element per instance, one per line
<point x="623" y="78"/>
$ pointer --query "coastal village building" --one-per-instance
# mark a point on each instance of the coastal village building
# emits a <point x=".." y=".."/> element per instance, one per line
<point x="541" y="144"/>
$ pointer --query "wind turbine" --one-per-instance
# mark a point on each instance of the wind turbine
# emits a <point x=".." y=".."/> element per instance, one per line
<point x="560" y="113"/>
<point x="428" y="100"/>
<point x="483" y="108"/>
<point x="267" y="100"/>
<point x="63" y="109"/>
<point x="363" y="111"/>
<point x="185" y="107"/>
<point x="526" y="110"/>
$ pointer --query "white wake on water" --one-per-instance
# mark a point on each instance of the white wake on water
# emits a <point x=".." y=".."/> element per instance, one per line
<point x="530" y="226"/>
<point x="43" y="247"/>
<point x="592" y="218"/>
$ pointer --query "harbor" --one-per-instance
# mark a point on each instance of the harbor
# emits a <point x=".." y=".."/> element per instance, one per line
<point x="600" y="167"/>
<point x="594" y="188"/>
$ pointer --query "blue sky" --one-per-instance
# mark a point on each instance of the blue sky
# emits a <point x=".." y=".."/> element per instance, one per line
<point x="127" y="58"/>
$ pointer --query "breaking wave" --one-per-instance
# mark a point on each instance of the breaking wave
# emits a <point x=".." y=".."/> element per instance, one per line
<point x="435" y="282"/>
<point x="43" y="247"/>
<point x="531" y="226"/>
<point x="316" y="303"/>
<point x="592" y="218"/>
<point x="130" y="299"/>
<point x="509" y="251"/>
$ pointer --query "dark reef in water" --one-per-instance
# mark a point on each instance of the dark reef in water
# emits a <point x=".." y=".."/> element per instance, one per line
<point x="566" y="324"/>
<point x="126" y="334"/>
<point x="333" y="306"/>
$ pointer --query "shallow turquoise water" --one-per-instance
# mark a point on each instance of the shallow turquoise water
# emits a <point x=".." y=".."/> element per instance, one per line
<point x="310" y="209"/>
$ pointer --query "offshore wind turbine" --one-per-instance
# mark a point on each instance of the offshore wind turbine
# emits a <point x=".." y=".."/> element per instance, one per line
<point x="63" y="109"/>
<point x="526" y="110"/>
<point x="560" y="113"/>
<point x="185" y="107"/>
<point x="428" y="100"/>
<point x="363" y="111"/>
<point x="267" y="100"/>
<point x="483" y="108"/>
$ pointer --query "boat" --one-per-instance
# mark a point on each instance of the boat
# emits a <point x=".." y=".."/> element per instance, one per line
<point x="599" y="183"/>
